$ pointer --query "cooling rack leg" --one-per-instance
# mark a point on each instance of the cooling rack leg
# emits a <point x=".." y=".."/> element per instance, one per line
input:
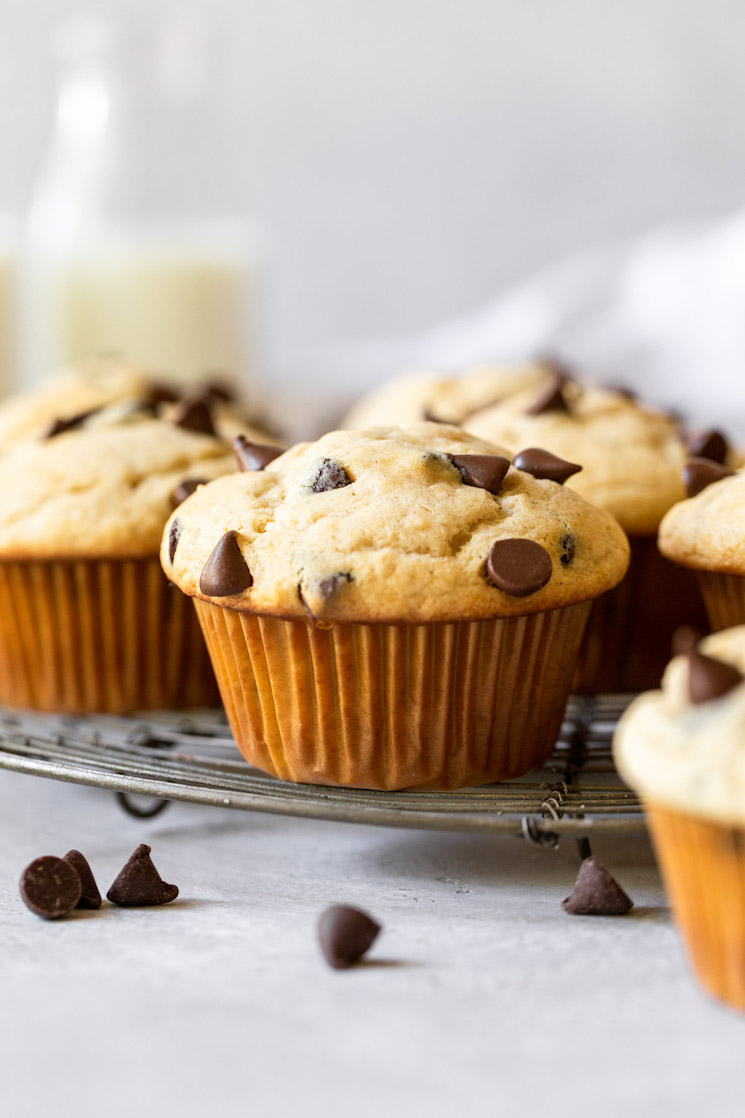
<point x="584" y="850"/>
<point x="145" y="809"/>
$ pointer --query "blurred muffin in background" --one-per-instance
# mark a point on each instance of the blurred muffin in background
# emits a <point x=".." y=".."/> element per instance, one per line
<point x="443" y="399"/>
<point x="632" y="459"/>
<point x="87" y="620"/>
<point x="70" y="396"/>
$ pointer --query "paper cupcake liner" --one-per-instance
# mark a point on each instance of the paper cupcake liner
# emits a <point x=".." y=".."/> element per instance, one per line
<point x="724" y="596"/>
<point x="703" y="866"/>
<point x="627" y="641"/>
<point x="437" y="705"/>
<point x="106" y="635"/>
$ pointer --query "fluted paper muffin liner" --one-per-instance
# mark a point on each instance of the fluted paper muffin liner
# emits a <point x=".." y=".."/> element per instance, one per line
<point x="724" y="596"/>
<point x="703" y="866"/>
<point x="388" y="706"/>
<point x="627" y="641"/>
<point x="106" y="635"/>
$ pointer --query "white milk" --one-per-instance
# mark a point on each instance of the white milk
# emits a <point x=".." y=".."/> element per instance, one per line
<point x="175" y="307"/>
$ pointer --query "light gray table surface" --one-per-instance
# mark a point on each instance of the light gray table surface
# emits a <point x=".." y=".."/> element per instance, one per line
<point x="481" y="996"/>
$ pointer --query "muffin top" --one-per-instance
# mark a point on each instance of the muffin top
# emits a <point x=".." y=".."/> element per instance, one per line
<point x="428" y="396"/>
<point x="684" y="747"/>
<point x="71" y="395"/>
<point x="631" y="456"/>
<point x="422" y="523"/>
<point x="101" y="489"/>
<point x="708" y="531"/>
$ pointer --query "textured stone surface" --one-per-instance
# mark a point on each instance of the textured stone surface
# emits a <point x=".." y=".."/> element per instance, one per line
<point x="491" y="994"/>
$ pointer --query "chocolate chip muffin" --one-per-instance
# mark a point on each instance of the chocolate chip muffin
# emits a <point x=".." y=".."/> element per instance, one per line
<point x="632" y="459"/>
<point x="683" y="749"/>
<point x="393" y="608"/>
<point x="445" y="399"/>
<point x="87" y="620"/>
<point x="705" y="534"/>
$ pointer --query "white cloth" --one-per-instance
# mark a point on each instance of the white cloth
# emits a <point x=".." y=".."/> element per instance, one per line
<point x="664" y="315"/>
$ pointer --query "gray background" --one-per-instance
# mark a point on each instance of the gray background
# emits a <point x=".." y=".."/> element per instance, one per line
<point x="410" y="158"/>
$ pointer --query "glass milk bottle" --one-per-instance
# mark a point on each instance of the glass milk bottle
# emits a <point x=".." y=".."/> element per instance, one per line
<point x="129" y="246"/>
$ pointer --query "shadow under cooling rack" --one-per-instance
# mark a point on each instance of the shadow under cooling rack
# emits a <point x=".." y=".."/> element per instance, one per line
<point x="192" y="757"/>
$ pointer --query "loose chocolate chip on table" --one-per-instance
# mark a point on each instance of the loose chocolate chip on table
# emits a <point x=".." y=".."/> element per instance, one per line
<point x="519" y="567"/>
<point x="543" y="464"/>
<point x="709" y="444"/>
<point x="567" y="549"/>
<point x="345" y="935"/>
<point x="698" y="473"/>
<point x="550" y="398"/>
<point x="226" y="571"/>
<point x="596" y="892"/>
<point x="483" y="471"/>
<point x="139" y="883"/>
<point x="90" y="896"/>
<point x="330" y="476"/>
<point x="185" y="489"/>
<point x="59" y="426"/>
<point x="50" y="887"/>
<point x="254" y="456"/>
<point x="709" y="678"/>
<point x="173" y="537"/>
<point x="194" y="415"/>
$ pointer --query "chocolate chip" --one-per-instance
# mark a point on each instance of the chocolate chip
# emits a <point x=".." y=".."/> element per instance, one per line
<point x="698" y="473"/>
<point x="90" y="896"/>
<point x="708" y="444"/>
<point x="685" y="639"/>
<point x="218" y="390"/>
<point x="139" y="883"/>
<point x="345" y="935"/>
<point x="621" y="390"/>
<point x="484" y="471"/>
<point x="328" y="586"/>
<point x="553" y="364"/>
<point x="330" y="476"/>
<point x="226" y="571"/>
<point x="550" y="398"/>
<point x="159" y="392"/>
<point x="50" y="887"/>
<point x="519" y="567"/>
<point x="194" y="415"/>
<point x="60" y="426"/>
<point x="543" y="464"/>
<point x="596" y="892"/>
<point x="430" y="417"/>
<point x="173" y="537"/>
<point x="709" y="678"/>
<point x="185" y="489"/>
<point x="567" y="548"/>
<point x="254" y="456"/>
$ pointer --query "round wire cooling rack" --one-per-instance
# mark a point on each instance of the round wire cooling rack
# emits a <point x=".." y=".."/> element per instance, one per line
<point x="192" y="757"/>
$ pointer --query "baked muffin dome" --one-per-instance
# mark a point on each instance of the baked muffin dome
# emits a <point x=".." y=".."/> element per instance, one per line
<point x="683" y="747"/>
<point x="382" y="525"/>
<point x="102" y="489"/>
<point x="632" y="456"/>
<point x="707" y="531"/>
<point x="70" y="395"/>
<point x="419" y="396"/>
